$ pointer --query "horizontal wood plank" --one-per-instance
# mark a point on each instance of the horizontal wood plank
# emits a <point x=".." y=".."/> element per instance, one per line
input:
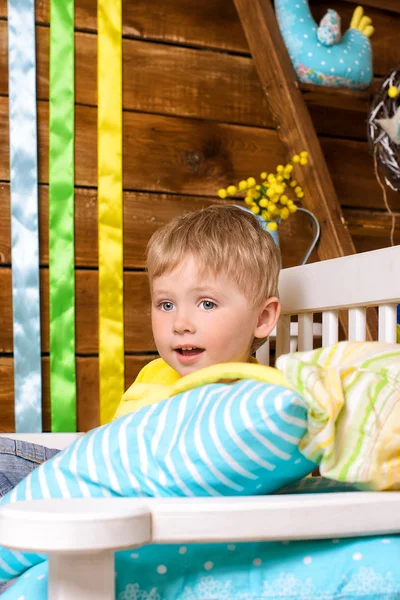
<point x="371" y="230"/>
<point x="214" y="24"/>
<point x="356" y="101"/>
<point x="189" y="82"/>
<point x="143" y="214"/>
<point x="188" y="156"/>
<point x="193" y="83"/>
<point x="138" y="336"/>
<point x="87" y="390"/>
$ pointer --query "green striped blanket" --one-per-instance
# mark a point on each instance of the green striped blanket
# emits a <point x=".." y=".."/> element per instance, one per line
<point x="352" y="391"/>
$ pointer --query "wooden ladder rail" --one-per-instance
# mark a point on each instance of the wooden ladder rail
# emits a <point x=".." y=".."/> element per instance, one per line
<point x="295" y="128"/>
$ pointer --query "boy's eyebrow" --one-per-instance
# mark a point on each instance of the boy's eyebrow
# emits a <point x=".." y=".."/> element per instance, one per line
<point x="197" y="289"/>
<point x="161" y="292"/>
<point x="200" y="289"/>
<point x="204" y="288"/>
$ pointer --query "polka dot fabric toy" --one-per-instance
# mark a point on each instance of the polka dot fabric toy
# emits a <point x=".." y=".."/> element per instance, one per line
<point x="320" y="54"/>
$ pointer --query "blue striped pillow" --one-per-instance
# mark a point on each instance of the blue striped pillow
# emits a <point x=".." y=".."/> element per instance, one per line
<point x="216" y="440"/>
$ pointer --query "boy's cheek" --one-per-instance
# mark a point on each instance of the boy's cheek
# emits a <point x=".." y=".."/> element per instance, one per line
<point x="157" y="327"/>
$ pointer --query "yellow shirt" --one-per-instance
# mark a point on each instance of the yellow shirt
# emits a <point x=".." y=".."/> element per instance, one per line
<point x="158" y="381"/>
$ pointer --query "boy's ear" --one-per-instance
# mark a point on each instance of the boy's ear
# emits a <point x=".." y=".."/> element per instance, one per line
<point x="267" y="317"/>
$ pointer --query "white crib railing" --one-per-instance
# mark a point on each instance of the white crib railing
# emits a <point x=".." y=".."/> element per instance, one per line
<point x="81" y="564"/>
<point x="351" y="283"/>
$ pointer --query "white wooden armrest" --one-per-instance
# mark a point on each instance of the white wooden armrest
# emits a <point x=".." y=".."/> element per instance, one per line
<point x="56" y="441"/>
<point x="280" y="517"/>
<point x="92" y="525"/>
<point x="80" y="537"/>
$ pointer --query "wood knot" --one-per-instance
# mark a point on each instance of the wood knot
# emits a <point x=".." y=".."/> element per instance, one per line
<point x="194" y="160"/>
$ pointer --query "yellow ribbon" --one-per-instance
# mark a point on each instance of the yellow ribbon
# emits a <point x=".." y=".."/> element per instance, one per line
<point x="110" y="207"/>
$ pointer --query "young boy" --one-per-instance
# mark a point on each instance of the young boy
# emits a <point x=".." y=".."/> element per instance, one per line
<point x="213" y="278"/>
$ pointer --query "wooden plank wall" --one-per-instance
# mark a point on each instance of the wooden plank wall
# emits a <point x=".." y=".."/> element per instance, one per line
<point x="195" y="119"/>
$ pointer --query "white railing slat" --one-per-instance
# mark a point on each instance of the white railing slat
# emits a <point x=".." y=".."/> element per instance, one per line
<point x="387" y="323"/>
<point x="357" y="324"/>
<point x="305" y="332"/>
<point x="330" y="327"/>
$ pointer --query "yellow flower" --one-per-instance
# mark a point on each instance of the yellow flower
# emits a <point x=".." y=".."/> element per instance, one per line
<point x="272" y="209"/>
<point x="272" y="226"/>
<point x="268" y="197"/>
<point x="393" y="92"/>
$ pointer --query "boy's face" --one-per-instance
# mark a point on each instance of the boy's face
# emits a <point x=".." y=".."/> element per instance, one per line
<point x="201" y="321"/>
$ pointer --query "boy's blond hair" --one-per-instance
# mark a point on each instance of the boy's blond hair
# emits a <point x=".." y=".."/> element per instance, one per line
<point x="222" y="238"/>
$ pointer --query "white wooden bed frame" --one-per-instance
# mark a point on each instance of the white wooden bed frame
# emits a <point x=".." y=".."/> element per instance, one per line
<point x="81" y="536"/>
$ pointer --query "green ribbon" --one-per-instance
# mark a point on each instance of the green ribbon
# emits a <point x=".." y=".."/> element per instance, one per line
<point x="61" y="217"/>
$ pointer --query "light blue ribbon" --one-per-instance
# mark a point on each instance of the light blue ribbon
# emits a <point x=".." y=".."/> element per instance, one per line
<point x="24" y="215"/>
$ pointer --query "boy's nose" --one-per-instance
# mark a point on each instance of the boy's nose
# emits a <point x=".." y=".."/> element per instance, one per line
<point x="183" y="324"/>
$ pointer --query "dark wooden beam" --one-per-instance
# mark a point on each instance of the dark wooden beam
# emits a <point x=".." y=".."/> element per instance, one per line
<point x="294" y="125"/>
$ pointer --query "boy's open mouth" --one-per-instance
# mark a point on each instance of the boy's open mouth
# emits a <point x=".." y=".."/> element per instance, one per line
<point x="188" y="350"/>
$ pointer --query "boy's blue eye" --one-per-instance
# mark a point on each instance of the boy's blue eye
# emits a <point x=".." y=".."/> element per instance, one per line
<point x="167" y="306"/>
<point x="208" y="304"/>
